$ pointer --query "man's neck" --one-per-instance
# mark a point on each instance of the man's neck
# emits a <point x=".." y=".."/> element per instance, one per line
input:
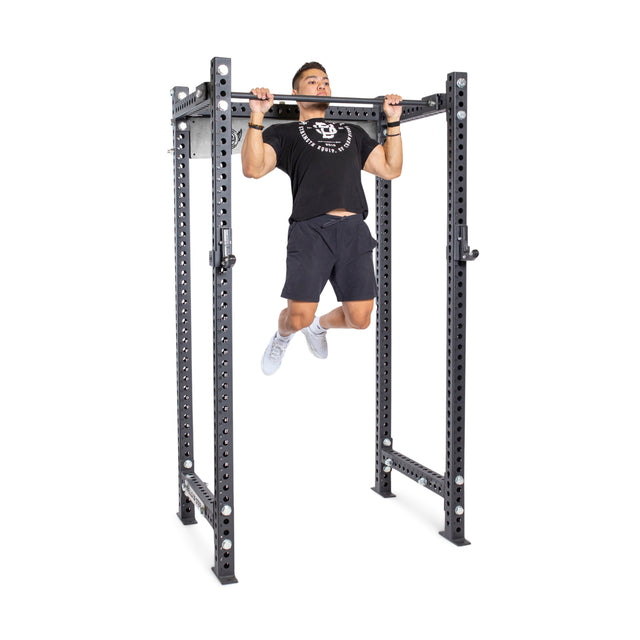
<point x="309" y="113"/>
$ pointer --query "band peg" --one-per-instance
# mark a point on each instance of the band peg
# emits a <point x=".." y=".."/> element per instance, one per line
<point x="228" y="259"/>
<point x="462" y="251"/>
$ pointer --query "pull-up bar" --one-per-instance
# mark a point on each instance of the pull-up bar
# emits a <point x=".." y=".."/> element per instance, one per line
<point x="426" y="102"/>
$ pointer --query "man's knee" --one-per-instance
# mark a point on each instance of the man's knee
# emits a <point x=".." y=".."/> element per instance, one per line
<point x="360" y="322"/>
<point x="358" y="316"/>
<point x="299" y="319"/>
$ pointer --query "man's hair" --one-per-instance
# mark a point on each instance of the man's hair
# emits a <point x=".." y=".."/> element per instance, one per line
<point x="305" y="67"/>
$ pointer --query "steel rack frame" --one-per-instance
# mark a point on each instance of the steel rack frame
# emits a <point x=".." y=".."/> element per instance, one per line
<point x="208" y="123"/>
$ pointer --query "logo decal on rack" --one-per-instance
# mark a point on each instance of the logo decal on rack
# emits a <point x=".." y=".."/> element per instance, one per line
<point x="236" y="136"/>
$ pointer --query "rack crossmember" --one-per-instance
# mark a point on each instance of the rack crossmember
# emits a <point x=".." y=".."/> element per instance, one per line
<point x="416" y="471"/>
<point x="197" y="491"/>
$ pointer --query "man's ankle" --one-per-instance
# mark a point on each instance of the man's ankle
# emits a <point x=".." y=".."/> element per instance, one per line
<point x="316" y="327"/>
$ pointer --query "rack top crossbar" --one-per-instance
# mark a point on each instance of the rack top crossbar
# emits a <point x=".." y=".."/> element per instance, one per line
<point x="329" y="99"/>
<point x="198" y="102"/>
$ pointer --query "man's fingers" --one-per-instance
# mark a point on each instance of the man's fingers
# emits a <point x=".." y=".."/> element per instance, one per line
<point x="262" y="93"/>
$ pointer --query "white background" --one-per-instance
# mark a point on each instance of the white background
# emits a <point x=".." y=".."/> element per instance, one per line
<point x="91" y="546"/>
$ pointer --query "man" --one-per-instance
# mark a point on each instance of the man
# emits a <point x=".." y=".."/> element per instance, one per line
<point x="328" y="238"/>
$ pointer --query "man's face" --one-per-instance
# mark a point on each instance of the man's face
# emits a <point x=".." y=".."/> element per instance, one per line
<point x="314" y="82"/>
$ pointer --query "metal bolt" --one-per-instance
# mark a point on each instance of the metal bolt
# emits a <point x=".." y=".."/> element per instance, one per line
<point x="386" y="469"/>
<point x="226" y="510"/>
<point x="422" y="482"/>
<point x="459" y="480"/>
<point x="462" y="83"/>
<point x="182" y="95"/>
<point x="182" y="126"/>
<point x="459" y="510"/>
<point x="431" y="103"/>
<point x="386" y="442"/>
<point x="198" y="93"/>
<point x="461" y="115"/>
<point x="223" y="69"/>
<point x="227" y="544"/>
<point x="223" y="105"/>
<point x="388" y="462"/>
<point x="188" y="464"/>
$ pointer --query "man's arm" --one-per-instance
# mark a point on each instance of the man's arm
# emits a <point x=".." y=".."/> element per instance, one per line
<point x="386" y="161"/>
<point x="258" y="158"/>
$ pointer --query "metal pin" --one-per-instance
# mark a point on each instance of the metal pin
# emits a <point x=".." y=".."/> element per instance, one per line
<point x="387" y="442"/>
<point x="461" y="115"/>
<point x="459" y="510"/>
<point x="188" y="464"/>
<point x="459" y="480"/>
<point x="388" y="462"/>
<point x="422" y="482"/>
<point x="226" y="510"/>
<point x="223" y="105"/>
<point x="227" y="544"/>
<point x="182" y="95"/>
<point x="223" y="69"/>
<point x="462" y="83"/>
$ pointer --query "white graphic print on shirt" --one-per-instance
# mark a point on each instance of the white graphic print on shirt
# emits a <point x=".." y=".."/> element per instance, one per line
<point x="328" y="137"/>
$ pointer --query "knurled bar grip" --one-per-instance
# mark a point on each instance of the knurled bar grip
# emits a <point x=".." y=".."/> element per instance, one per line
<point x="329" y="99"/>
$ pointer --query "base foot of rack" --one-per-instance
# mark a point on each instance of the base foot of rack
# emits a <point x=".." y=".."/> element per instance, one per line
<point x="459" y="542"/>
<point x="384" y="494"/>
<point x="190" y="520"/>
<point x="224" y="579"/>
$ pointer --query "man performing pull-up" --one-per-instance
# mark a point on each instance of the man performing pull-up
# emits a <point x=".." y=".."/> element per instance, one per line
<point x="328" y="238"/>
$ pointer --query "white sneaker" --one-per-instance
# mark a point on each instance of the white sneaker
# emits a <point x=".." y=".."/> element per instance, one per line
<point x="272" y="358"/>
<point x="317" y="342"/>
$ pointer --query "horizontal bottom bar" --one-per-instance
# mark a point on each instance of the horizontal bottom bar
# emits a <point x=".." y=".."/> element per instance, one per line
<point x="197" y="491"/>
<point x="416" y="471"/>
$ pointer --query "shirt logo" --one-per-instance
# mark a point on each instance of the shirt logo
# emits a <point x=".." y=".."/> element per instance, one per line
<point x="327" y="137"/>
<point x="327" y="129"/>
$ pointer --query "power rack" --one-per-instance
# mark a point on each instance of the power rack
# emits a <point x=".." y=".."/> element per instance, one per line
<point x="208" y="123"/>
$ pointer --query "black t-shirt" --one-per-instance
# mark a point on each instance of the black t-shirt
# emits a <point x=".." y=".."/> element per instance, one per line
<point x="324" y="160"/>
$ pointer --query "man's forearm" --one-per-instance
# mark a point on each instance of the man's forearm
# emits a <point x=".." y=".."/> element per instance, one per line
<point x="253" y="149"/>
<point x="393" y="150"/>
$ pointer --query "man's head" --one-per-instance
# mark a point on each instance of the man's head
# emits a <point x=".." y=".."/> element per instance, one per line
<point x="311" y="78"/>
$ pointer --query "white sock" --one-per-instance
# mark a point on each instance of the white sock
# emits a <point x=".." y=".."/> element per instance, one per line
<point x="284" y="338"/>
<point x="316" y="327"/>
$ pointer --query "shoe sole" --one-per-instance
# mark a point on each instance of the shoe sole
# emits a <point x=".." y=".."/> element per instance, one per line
<point x="268" y="373"/>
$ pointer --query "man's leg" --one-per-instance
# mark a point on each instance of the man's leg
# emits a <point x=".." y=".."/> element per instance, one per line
<point x="351" y="315"/>
<point x="295" y="317"/>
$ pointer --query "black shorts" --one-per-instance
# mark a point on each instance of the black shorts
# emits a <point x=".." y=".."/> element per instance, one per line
<point x="334" y="248"/>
